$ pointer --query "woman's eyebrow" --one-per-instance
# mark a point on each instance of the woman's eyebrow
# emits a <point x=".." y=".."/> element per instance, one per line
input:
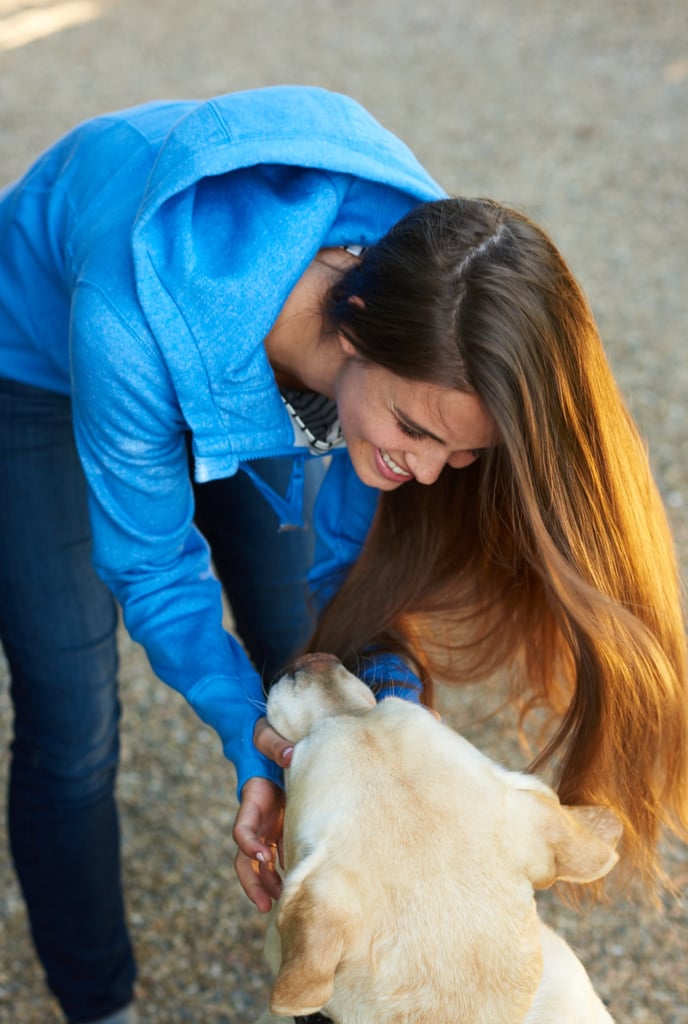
<point x="416" y="426"/>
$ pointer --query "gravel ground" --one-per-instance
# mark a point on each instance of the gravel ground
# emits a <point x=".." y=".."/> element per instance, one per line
<point x="575" y="113"/>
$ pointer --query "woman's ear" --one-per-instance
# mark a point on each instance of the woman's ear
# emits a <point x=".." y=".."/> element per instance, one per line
<point x="347" y="348"/>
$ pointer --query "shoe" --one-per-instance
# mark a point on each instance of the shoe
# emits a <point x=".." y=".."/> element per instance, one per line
<point x="127" y="1015"/>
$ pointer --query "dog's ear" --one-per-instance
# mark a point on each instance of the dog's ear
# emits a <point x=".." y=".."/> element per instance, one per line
<point x="312" y="934"/>
<point x="586" y="843"/>
<point x="574" y="844"/>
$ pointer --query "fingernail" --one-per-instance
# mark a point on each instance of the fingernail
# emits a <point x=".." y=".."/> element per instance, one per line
<point x="286" y="753"/>
<point x="260" y="857"/>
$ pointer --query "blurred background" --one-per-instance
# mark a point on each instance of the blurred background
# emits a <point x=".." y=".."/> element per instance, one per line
<point x="575" y="113"/>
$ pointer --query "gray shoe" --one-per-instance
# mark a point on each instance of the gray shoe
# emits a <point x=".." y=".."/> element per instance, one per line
<point x="127" y="1015"/>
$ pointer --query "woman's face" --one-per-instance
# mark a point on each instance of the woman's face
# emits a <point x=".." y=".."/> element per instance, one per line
<point x="398" y="430"/>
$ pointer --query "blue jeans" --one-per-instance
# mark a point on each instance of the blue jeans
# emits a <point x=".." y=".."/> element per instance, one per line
<point x="58" y="628"/>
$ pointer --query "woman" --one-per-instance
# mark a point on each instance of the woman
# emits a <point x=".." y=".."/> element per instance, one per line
<point x="219" y="292"/>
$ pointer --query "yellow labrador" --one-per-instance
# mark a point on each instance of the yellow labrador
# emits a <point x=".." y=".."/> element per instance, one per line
<point x="411" y="860"/>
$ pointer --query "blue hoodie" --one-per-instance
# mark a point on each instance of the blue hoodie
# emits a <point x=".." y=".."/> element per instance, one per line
<point x="145" y="257"/>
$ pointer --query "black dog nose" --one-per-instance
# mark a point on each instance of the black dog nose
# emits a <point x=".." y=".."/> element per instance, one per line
<point x="318" y="660"/>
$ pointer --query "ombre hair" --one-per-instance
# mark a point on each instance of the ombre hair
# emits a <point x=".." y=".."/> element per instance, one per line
<point x="550" y="558"/>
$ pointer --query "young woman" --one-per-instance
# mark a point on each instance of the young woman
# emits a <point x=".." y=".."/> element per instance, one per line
<point x="205" y="296"/>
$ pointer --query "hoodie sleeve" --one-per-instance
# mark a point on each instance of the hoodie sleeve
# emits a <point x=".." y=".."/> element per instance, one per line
<point x="343" y="514"/>
<point x="131" y="440"/>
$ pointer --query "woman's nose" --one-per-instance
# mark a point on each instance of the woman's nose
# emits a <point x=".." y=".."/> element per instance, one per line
<point x="426" y="466"/>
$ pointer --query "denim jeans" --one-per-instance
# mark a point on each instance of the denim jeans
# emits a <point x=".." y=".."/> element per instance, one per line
<point x="58" y="628"/>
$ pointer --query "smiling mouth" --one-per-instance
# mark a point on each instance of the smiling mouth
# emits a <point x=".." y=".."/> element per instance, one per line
<point x="391" y="464"/>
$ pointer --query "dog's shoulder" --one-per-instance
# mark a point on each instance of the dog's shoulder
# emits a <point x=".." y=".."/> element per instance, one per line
<point x="565" y="993"/>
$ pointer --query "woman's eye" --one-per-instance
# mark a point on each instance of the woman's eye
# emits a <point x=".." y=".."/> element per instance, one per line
<point x="415" y="435"/>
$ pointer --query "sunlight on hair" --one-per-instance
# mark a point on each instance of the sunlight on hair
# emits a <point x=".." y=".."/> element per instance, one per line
<point x="21" y="25"/>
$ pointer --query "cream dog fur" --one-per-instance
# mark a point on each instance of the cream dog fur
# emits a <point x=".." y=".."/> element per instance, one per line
<point x="411" y="860"/>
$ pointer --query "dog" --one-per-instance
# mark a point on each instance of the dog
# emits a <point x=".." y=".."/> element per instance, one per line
<point x="411" y="861"/>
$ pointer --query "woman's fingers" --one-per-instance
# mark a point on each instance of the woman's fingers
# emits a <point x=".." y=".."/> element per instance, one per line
<point x="271" y="744"/>
<point x="258" y="826"/>
<point x="258" y="833"/>
<point x="260" y="881"/>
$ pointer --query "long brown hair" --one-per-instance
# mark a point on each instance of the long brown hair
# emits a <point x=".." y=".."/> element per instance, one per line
<point x="551" y="556"/>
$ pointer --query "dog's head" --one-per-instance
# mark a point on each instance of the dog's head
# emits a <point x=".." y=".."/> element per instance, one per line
<point x="411" y="861"/>
<point x="317" y="687"/>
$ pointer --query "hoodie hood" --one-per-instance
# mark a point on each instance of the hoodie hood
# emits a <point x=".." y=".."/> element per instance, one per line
<point x="245" y="190"/>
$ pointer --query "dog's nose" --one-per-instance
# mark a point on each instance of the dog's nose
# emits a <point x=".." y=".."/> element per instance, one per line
<point x="318" y="662"/>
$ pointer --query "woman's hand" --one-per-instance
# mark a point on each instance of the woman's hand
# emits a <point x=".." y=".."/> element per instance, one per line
<point x="258" y="826"/>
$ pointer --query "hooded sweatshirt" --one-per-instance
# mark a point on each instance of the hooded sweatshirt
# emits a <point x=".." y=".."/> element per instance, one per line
<point x="145" y="257"/>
